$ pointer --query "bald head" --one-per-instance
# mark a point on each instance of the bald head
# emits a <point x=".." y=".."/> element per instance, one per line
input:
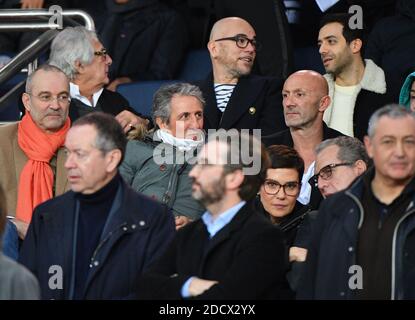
<point x="232" y="47"/>
<point x="305" y="98"/>
<point x="311" y="80"/>
<point x="229" y="27"/>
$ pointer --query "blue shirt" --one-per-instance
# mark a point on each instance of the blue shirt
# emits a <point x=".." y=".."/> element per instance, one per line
<point x="213" y="227"/>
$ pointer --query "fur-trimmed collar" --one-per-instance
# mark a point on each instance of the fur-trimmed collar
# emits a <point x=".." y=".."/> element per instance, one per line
<point x="373" y="80"/>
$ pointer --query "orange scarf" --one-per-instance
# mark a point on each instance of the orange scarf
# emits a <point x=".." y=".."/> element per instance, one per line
<point x="36" y="178"/>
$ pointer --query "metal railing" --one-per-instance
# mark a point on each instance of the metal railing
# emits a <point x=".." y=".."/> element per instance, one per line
<point x="25" y="20"/>
<point x="16" y="15"/>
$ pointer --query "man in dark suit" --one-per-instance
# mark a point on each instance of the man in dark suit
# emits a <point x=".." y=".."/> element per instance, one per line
<point x="94" y="241"/>
<point x="232" y="252"/>
<point x="82" y="57"/>
<point x="234" y="98"/>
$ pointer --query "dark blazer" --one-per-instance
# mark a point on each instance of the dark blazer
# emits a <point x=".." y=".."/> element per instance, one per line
<point x="136" y="232"/>
<point x="109" y="102"/>
<point x="247" y="257"/>
<point x="256" y="103"/>
<point x="333" y="245"/>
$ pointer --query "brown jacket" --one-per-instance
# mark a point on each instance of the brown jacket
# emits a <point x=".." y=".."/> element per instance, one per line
<point x="12" y="161"/>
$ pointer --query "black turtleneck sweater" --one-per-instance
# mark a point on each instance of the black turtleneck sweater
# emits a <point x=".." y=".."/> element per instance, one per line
<point x="93" y="213"/>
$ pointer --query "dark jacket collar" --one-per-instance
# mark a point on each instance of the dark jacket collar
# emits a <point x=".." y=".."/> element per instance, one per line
<point x="284" y="137"/>
<point x="244" y="94"/>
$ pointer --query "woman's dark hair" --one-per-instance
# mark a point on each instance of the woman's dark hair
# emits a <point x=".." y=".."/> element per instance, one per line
<point x="284" y="157"/>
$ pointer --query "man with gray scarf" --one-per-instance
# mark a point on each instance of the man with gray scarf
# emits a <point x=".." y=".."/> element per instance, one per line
<point x="159" y="165"/>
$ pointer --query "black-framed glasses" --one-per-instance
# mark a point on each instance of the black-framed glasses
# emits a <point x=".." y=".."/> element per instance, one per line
<point x="326" y="172"/>
<point x="101" y="53"/>
<point x="242" y="41"/>
<point x="291" y="188"/>
<point x="62" y="98"/>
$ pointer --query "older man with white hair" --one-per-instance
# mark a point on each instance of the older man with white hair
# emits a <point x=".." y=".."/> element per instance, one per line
<point x="80" y="54"/>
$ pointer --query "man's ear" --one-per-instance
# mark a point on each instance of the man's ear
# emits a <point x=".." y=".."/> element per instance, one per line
<point x="356" y="45"/>
<point x="79" y="67"/>
<point x="360" y="167"/>
<point x="160" y="123"/>
<point x="26" y="101"/>
<point x="113" y="159"/>
<point x="368" y="146"/>
<point x="324" y="103"/>
<point x="234" y="179"/>
<point x="213" y="48"/>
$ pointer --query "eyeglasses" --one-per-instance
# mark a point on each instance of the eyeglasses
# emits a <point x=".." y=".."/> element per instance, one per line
<point x="326" y="172"/>
<point x="62" y="98"/>
<point x="101" y="53"/>
<point x="242" y="41"/>
<point x="272" y="187"/>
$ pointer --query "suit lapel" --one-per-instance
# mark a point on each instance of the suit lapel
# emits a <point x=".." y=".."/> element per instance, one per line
<point x="235" y="224"/>
<point x="212" y="113"/>
<point x="60" y="228"/>
<point x="242" y="99"/>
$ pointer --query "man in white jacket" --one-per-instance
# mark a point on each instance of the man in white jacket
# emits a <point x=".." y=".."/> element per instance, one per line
<point x="357" y="87"/>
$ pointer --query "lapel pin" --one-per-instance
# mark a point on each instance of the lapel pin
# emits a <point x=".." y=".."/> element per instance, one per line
<point x="252" y="110"/>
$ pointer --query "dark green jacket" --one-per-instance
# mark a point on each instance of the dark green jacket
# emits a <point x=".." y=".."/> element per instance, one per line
<point x="165" y="181"/>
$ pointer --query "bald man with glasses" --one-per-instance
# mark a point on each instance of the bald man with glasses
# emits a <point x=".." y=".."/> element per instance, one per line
<point x="31" y="150"/>
<point x="234" y="97"/>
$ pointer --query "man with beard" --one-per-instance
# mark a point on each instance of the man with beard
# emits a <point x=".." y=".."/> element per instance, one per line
<point x="357" y="87"/>
<point x="232" y="252"/>
<point x="31" y="150"/>
<point x="234" y="98"/>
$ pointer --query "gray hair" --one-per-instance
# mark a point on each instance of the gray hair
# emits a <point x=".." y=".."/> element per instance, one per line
<point x="350" y="149"/>
<point x="394" y="111"/>
<point x="71" y="45"/>
<point x="164" y="95"/>
<point x="43" y="67"/>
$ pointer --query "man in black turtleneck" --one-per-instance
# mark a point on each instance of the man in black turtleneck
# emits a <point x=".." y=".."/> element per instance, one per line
<point x="94" y="241"/>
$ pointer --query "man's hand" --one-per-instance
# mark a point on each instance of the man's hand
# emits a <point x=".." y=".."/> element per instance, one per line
<point x="129" y="120"/>
<point x="21" y="227"/>
<point x="181" y="221"/>
<point x="298" y="254"/>
<point x="116" y="82"/>
<point x="31" y="4"/>
<point x="198" y="286"/>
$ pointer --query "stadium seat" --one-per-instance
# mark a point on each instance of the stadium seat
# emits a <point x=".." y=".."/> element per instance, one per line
<point x="196" y="65"/>
<point x="140" y="94"/>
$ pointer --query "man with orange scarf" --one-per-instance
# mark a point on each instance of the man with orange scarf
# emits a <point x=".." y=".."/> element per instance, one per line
<point x="31" y="158"/>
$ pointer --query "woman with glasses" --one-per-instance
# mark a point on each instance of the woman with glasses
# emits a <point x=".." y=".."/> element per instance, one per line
<point x="278" y="200"/>
<point x="278" y="195"/>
